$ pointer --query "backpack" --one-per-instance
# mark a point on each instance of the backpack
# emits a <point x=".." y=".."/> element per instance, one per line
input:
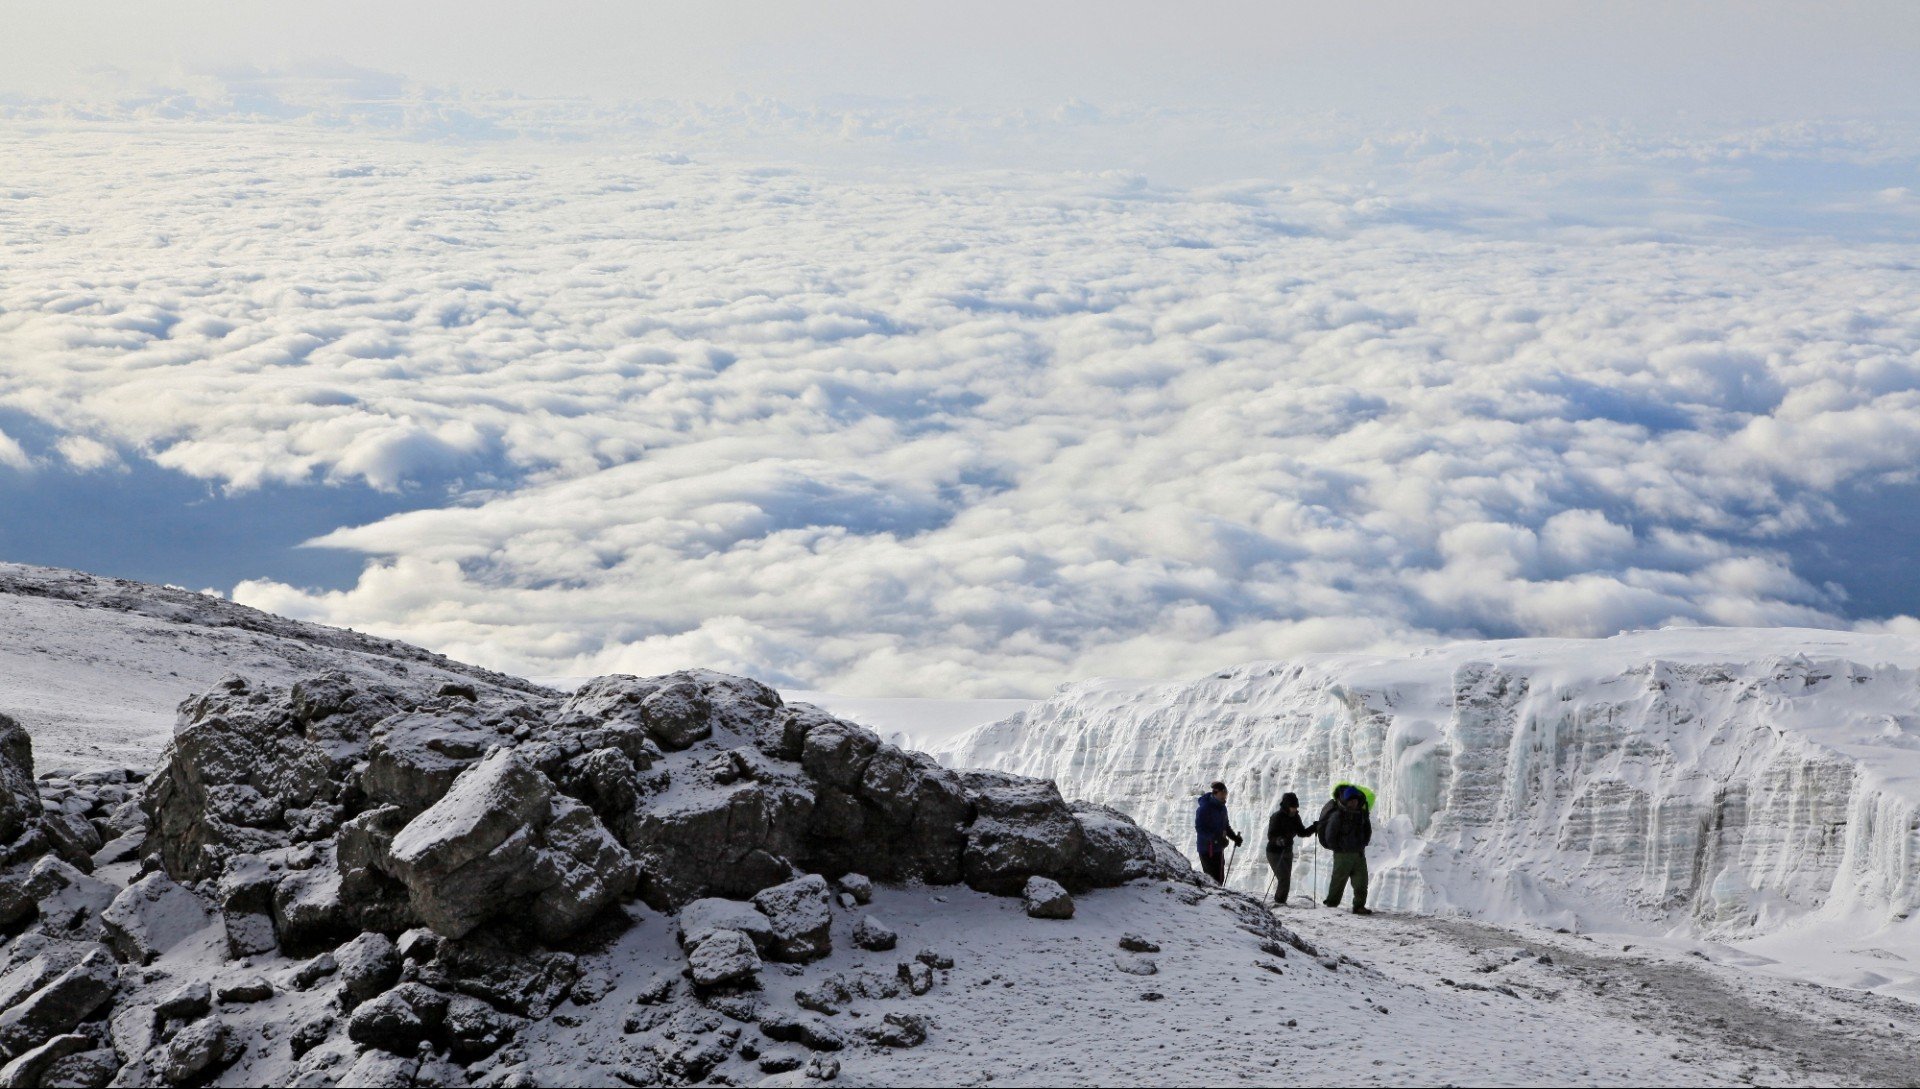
<point x="1328" y="814"/>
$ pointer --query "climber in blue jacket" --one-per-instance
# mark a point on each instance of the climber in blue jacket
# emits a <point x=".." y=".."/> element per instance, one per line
<point x="1213" y="831"/>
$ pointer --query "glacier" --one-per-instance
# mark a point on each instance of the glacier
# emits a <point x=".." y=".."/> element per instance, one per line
<point x="1729" y="785"/>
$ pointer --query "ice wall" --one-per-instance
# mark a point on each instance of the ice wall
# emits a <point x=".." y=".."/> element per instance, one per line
<point x="1721" y="781"/>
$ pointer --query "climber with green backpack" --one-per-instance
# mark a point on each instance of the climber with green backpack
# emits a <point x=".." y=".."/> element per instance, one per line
<point x="1346" y="827"/>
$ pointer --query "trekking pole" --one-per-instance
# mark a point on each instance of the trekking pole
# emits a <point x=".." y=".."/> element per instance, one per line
<point x="1316" y="873"/>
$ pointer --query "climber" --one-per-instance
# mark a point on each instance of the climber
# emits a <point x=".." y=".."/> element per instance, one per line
<point x="1346" y="829"/>
<point x="1213" y="830"/>
<point x="1283" y="827"/>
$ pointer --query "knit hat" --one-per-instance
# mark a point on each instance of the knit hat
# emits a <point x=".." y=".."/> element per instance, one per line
<point x="1289" y="799"/>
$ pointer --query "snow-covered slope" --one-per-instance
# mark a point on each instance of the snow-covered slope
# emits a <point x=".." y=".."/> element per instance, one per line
<point x="95" y="666"/>
<point x="1719" y="783"/>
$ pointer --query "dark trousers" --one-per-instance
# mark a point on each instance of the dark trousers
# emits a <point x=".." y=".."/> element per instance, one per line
<point x="1348" y="866"/>
<point x="1213" y="861"/>
<point x="1282" y="864"/>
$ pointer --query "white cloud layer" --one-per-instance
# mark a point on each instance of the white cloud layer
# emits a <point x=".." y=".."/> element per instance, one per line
<point x="926" y="432"/>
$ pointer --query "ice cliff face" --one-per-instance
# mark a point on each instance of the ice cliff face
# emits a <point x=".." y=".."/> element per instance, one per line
<point x="1720" y="781"/>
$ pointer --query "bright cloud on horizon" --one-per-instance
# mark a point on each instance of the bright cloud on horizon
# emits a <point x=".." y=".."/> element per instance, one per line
<point x="928" y="431"/>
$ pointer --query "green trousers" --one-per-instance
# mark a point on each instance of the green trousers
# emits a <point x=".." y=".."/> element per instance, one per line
<point x="1348" y="866"/>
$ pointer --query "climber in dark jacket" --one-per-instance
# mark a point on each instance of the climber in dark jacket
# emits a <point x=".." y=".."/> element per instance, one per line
<point x="1212" y="831"/>
<point x="1346" y="829"/>
<point x="1282" y="829"/>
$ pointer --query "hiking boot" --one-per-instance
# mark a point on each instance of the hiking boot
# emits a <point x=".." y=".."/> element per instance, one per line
<point x="1362" y="911"/>
<point x="1331" y="903"/>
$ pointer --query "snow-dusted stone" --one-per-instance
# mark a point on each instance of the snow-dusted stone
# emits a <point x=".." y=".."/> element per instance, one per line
<point x="801" y="914"/>
<point x="478" y="852"/>
<point x="418" y="755"/>
<point x="872" y="934"/>
<point x="20" y="806"/>
<point x="1045" y="899"/>
<point x="151" y="916"/>
<point x="856" y="886"/>
<point x="1022" y="828"/>
<point x="732" y="839"/>
<point x="723" y="956"/>
<point x="1134" y="943"/>
<point x="1116" y="850"/>
<point x="474" y="849"/>
<point x="583" y="868"/>
<point x="70" y="902"/>
<point x="381" y="1070"/>
<point x="702" y="917"/>
<point x="368" y="965"/>
<point x="896" y="1030"/>
<point x="25" y="1071"/>
<point x="244" y="990"/>
<point x="90" y="1069"/>
<point x="387" y="1021"/>
<point x="73" y="837"/>
<point x="673" y="710"/>
<point x="197" y="1051"/>
<point x="61" y="1003"/>
<point x="475" y="1029"/>
<point x="186" y="1002"/>
<point x="809" y="1032"/>
<point x="308" y="912"/>
<point x="823" y="1068"/>
<point x="917" y="975"/>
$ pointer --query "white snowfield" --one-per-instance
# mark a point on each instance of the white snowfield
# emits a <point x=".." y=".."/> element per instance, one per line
<point x="1758" y="789"/>
<point x="94" y="667"/>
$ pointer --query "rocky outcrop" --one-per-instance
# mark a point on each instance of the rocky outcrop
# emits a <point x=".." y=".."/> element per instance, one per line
<point x="416" y="871"/>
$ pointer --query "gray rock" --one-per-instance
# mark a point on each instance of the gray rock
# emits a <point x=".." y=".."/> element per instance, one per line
<point x="723" y="956"/>
<point x="244" y="990"/>
<point x="809" y="1032"/>
<point x="368" y="964"/>
<point x="186" y="1002"/>
<point x="380" y="1070"/>
<point x="801" y="915"/>
<point x="1022" y="828"/>
<point x="733" y="840"/>
<point x="475" y="1030"/>
<point x="1134" y="943"/>
<point x="856" y="886"/>
<point x="872" y="934"/>
<point x="389" y="1022"/>
<point x="823" y="1068"/>
<point x="896" y="1030"/>
<point x="702" y="917"/>
<point x="61" y="1003"/>
<point x="27" y="1068"/>
<point x="1045" y="899"/>
<point x="501" y="842"/>
<point x="90" y="1069"/>
<point x="419" y="754"/>
<point x="308" y="914"/>
<point x="20" y="807"/>
<point x="1116" y="850"/>
<point x="917" y="975"/>
<point x="198" y="1051"/>
<point x="70" y="903"/>
<point x="151" y="916"/>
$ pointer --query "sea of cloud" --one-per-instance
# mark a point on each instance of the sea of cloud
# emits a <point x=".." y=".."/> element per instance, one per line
<point x="897" y="427"/>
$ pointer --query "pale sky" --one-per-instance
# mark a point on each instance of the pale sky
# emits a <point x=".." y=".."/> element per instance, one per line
<point x="1509" y="59"/>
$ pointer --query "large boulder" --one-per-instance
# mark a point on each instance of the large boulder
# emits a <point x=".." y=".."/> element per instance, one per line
<point x="152" y="915"/>
<point x="720" y="839"/>
<point x="500" y="842"/>
<point x="61" y="1002"/>
<point x="1022" y="828"/>
<point x="1115" y="850"/>
<point x="19" y="798"/>
<point x="801" y="915"/>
